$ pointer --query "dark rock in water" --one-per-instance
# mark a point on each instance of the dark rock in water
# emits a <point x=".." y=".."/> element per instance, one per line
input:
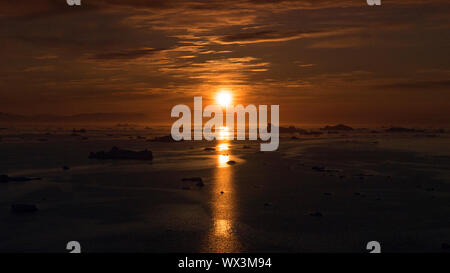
<point x="293" y="130"/>
<point x="323" y="169"/>
<point x="23" y="208"/>
<point x="5" y="178"/>
<point x="23" y="179"/>
<point x="163" y="139"/>
<point x="231" y="162"/>
<point x="199" y="181"/>
<point x="364" y="174"/>
<point x="316" y="214"/>
<point x="65" y="168"/>
<point x="339" y="127"/>
<point x="117" y="154"/>
<point x="403" y="130"/>
<point x="209" y="149"/>
<point x="192" y="179"/>
<point x="313" y="133"/>
<point x="319" y="169"/>
<point x="122" y="125"/>
<point x="290" y="129"/>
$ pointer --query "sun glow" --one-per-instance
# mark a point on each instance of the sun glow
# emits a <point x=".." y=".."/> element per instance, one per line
<point x="223" y="147"/>
<point x="223" y="159"/>
<point x="224" y="133"/>
<point x="224" y="98"/>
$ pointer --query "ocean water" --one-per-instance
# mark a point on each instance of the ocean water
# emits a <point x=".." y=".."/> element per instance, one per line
<point x="392" y="187"/>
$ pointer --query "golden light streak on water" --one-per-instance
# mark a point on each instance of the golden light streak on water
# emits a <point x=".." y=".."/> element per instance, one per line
<point x="222" y="237"/>
<point x="222" y="147"/>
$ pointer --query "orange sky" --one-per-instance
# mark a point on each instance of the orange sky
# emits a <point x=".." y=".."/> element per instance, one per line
<point x="321" y="61"/>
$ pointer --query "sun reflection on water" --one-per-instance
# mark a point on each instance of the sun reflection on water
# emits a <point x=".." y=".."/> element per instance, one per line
<point x="223" y="147"/>
<point x="222" y="236"/>
<point x="224" y="134"/>
<point x="222" y="227"/>
<point x="223" y="159"/>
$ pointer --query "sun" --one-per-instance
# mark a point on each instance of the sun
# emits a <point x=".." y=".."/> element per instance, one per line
<point x="224" y="98"/>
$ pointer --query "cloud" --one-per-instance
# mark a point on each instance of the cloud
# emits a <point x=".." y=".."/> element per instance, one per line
<point x="346" y="42"/>
<point x="126" y="54"/>
<point x="434" y="84"/>
<point x="107" y="49"/>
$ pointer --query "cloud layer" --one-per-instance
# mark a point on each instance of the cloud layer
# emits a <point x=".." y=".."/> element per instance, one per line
<point x="308" y="56"/>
